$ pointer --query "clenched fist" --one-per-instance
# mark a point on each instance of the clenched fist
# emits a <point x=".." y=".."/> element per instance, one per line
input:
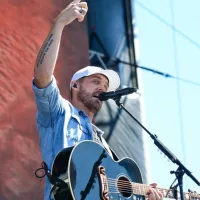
<point x="75" y="10"/>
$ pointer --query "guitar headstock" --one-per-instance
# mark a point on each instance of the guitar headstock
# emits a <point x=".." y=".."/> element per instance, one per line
<point x="171" y="194"/>
<point x="193" y="195"/>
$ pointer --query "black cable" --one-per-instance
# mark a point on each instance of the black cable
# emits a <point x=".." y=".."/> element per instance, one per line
<point x="178" y="85"/>
<point x="168" y="24"/>
<point x="166" y="75"/>
<point x="52" y="179"/>
<point x="43" y="167"/>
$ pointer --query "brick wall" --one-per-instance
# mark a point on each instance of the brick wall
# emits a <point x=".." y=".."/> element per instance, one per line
<point x="24" y="25"/>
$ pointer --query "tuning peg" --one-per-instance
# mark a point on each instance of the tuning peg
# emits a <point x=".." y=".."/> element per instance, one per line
<point x="190" y="191"/>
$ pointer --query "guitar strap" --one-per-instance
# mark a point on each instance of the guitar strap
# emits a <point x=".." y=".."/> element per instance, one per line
<point x="97" y="137"/>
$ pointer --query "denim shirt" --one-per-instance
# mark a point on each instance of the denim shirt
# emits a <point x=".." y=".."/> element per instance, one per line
<point x="59" y="125"/>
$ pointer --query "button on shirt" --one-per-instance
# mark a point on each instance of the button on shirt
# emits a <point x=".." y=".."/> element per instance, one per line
<point x="59" y="125"/>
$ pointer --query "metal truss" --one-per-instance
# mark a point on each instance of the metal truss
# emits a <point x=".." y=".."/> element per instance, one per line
<point x="101" y="60"/>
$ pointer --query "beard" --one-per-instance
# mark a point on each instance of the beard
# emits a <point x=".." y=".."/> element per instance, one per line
<point x="89" y="101"/>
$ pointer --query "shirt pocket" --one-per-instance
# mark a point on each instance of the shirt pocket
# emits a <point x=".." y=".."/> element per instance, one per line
<point x="75" y="131"/>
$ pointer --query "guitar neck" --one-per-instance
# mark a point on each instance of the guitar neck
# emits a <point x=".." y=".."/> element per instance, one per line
<point x="142" y="189"/>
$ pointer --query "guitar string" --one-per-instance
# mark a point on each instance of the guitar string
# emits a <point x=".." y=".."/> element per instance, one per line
<point x="124" y="190"/>
<point x="131" y="187"/>
<point x="138" y="185"/>
<point x="124" y="184"/>
<point x="130" y="184"/>
<point x="128" y="190"/>
<point x="113" y="184"/>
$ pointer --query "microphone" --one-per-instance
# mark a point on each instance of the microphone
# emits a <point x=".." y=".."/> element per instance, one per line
<point x="104" y="96"/>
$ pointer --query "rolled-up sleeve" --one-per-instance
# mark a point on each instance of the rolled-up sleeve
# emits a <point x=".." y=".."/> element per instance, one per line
<point x="49" y="103"/>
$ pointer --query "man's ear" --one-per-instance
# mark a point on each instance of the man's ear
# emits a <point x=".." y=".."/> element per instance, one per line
<point x="74" y="85"/>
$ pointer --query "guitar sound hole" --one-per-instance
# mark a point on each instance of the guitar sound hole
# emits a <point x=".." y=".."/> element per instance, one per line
<point x="124" y="186"/>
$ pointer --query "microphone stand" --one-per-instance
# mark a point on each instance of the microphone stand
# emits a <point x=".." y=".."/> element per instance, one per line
<point x="181" y="168"/>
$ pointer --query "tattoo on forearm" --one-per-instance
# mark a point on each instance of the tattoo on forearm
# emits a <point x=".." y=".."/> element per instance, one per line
<point x="44" y="50"/>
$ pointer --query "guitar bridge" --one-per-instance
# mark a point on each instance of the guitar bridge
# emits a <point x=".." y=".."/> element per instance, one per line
<point x="103" y="183"/>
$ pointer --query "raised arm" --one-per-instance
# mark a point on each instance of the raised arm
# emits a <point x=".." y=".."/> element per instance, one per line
<point x="47" y="56"/>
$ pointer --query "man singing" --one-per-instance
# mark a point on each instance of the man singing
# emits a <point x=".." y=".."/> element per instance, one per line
<point x="62" y="123"/>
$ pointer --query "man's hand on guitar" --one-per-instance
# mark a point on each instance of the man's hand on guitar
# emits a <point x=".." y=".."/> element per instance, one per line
<point x="153" y="193"/>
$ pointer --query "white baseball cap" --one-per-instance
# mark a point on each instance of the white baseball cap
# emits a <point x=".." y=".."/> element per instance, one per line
<point x="113" y="77"/>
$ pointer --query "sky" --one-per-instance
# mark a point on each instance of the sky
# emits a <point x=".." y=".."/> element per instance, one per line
<point x="169" y="41"/>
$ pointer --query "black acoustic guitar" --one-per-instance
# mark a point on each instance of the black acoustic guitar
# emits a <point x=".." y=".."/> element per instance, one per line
<point x="91" y="174"/>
